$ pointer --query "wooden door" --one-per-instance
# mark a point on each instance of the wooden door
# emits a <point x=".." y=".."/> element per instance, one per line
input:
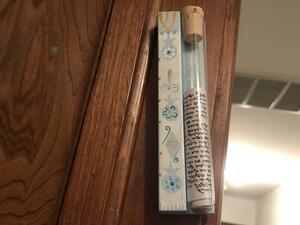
<point x="48" y="54"/>
<point x="78" y="122"/>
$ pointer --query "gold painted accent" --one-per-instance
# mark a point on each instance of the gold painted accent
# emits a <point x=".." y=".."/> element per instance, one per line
<point x="165" y="22"/>
<point x="171" y="143"/>
<point x="167" y="17"/>
<point x="170" y="76"/>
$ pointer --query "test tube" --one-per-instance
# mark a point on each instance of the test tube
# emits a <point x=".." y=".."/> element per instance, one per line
<point x="198" y="152"/>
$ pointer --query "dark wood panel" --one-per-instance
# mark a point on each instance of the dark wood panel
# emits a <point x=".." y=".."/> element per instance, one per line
<point x="47" y="55"/>
<point x="99" y="173"/>
<point x="130" y="126"/>
<point x="141" y="201"/>
<point x="222" y="101"/>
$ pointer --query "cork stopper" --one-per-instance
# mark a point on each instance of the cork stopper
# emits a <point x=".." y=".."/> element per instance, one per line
<point x="193" y="21"/>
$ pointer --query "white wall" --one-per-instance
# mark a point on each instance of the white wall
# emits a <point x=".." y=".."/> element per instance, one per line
<point x="238" y="210"/>
<point x="281" y="206"/>
<point x="271" y="130"/>
<point x="267" y="209"/>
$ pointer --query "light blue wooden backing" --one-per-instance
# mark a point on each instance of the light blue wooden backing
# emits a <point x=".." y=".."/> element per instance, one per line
<point x="172" y="184"/>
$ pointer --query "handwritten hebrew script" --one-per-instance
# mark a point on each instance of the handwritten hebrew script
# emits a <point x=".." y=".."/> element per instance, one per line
<point x="197" y="144"/>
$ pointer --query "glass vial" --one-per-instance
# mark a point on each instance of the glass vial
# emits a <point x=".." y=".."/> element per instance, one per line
<point x="198" y="153"/>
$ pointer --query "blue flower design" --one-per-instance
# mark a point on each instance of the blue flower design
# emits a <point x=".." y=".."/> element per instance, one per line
<point x="171" y="183"/>
<point x="169" y="52"/>
<point x="170" y="112"/>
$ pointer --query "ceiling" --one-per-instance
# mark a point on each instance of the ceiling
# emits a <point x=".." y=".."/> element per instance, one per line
<point x="265" y="140"/>
<point x="269" y="39"/>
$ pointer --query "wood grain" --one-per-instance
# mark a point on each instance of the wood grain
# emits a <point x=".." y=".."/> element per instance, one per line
<point x="142" y="186"/>
<point x="105" y="155"/>
<point x="222" y="99"/>
<point x="47" y="55"/>
<point x="130" y="126"/>
<point x="99" y="173"/>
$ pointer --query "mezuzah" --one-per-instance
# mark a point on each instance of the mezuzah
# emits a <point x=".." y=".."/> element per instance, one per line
<point x="172" y="184"/>
<point x="199" y="167"/>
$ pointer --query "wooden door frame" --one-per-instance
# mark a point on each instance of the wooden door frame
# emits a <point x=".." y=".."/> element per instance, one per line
<point x="100" y="169"/>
